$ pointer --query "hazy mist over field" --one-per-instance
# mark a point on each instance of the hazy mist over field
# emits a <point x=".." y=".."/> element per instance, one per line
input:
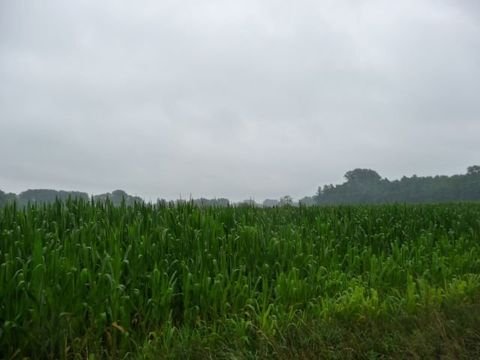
<point x="234" y="99"/>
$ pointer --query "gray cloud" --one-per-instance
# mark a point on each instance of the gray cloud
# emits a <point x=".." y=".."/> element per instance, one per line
<point x="237" y="99"/>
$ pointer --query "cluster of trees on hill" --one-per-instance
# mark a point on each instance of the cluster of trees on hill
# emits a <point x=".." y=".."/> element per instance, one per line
<point x="211" y="202"/>
<point x="367" y="186"/>
<point x="363" y="186"/>
<point x="117" y="197"/>
<point x="201" y="202"/>
<point x="283" y="201"/>
<point x="6" y="197"/>
<point x="44" y="196"/>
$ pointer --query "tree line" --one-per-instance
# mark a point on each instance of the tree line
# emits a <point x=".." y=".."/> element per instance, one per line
<point x="367" y="186"/>
<point x="45" y="196"/>
<point x="361" y="186"/>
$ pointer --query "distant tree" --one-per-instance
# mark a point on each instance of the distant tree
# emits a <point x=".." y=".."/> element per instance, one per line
<point x="202" y="202"/>
<point x="45" y="196"/>
<point x="473" y="170"/>
<point x="162" y="202"/>
<point x="117" y="197"/>
<point x="366" y="186"/>
<point x="10" y="197"/>
<point x="119" y="193"/>
<point x="248" y="203"/>
<point x="270" y="203"/>
<point x="222" y="202"/>
<point x="286" y="200"/>
<point x="307" y="201"/>
<point x="362" y="176"/>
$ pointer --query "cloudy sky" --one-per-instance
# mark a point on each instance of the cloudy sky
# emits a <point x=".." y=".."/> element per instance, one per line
<point x="235" y="99"/>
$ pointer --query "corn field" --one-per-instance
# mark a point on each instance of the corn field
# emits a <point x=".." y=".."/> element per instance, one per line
<point x="84" y="280"/>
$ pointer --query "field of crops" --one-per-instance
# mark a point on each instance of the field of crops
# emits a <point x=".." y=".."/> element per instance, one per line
<point x="90" y="281"/>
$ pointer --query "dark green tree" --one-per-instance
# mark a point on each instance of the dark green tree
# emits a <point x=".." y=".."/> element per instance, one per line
<point x="473" y="170"/>
<point x="365" y="176"/>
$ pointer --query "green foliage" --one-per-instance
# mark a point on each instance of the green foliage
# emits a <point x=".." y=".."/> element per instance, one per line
<point x="366" y="186"/>
<point x="47" y="196"/>
<point x="91" y="280"/>
<point x="365" y="176"/>
<point x="473" y="170"/>
<point x="202" y="202"/>
<point x="43" y="196"/>
<point x="117" y="197"/>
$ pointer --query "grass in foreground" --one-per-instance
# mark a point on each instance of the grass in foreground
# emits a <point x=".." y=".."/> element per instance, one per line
<point x="82" y="280"/>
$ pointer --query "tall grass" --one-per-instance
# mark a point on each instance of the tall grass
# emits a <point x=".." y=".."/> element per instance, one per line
<point x="79" y="279"/>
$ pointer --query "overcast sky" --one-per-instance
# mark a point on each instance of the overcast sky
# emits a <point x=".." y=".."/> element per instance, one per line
<point x="235" y="99"/>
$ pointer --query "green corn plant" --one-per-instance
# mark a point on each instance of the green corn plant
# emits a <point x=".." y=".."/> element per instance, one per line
<point x="90" y="280"/>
